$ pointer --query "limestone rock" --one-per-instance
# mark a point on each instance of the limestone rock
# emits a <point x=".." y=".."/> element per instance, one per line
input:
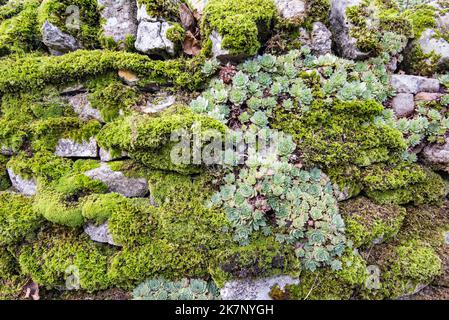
<point x="99" y="233"/>
<point x="291" y="9"/>
<point x="429" y="42"/>
<point x="413" y="84"/>
<point x="120" y="18"/>
<point x="340" y="26"/>
<point x="160" y="103"/>
<point x="118" y="182"/>
<point x="198" y="5"/>
<point x="6" y="151"/>
<point x="83" y="108"/>
<point x="152" y="39"/>
<point x="403" y="104"/>
<point x="27" y="187"/>
<point x="438" y="155"/>
<point x="249" y="289"/>
<point x="106" y="156"/>
<point x="321" y="39"/>
<point x="68" y="148"/>
<point x="57" y="41"/>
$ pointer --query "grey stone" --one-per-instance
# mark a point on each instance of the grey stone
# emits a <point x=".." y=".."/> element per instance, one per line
<point x="198" y="5"/>
<point x="6" y="151"/>
<point x="429" y="42"/>
<point x="340" y="27"/>
<point x="413" y="84"/>
<point x="321" y="39"/>
<point x="120" y="18"/>
<point x="152" y="39"/>
<point x="99" y="233"/>
<point x="57" y="41"/>
<point x="83" y="108"/>
<point x="437" y="154"/>
<point x="446" y="238"/>
<point x="403" y="104"/>
<point x="291" y="9"/>
<point x="258" y="289"/>
<point x="158" y="105"/>
<point x="105" y="156"/>
<point x="27" y="187"/>
<point x="68" y="148"/>
<point x="118" y="182"/>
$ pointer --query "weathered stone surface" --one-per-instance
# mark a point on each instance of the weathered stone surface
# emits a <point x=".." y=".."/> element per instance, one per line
<point x="321" y="39"/>
<point x="291" y="9"/>
<point x="427" y="96"/>
<point x="429" y="42"/>
<point x="118" y="182"/>
<point x="437" y="154"/>
<point x="413" y="84"/>
<point x="403" y="104"/>
<point x="198" y="5"/>
<point x="152" y="39"/>
<point x="159" y="104"/>
<point x="68" y="148"/>
<point x="217" y="49"/>
<point x="27" y="187"/>
<point x="120" y="18"/>
<point x="106" y="156"/>
<point x="57" y="41"/>
<point x="446" y="237"/>
<point x="340" y="27"/>
<point x="83" y="108"/>
<point x="142" y="14"/>
<point x="99" y="233"/>
<point x="254" y="289"/>
<point x="6" y="151"/>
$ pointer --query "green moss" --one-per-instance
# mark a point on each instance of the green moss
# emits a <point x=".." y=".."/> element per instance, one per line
<point x="368" y="223"/>
<point x="61" y="201"/>
<point x="176" y="34"/>
<point x="41" y="165"/>
<point x="325" y="284"/>
<point x="17" y="218"/>
<point x="167" y="9"/>
<point x="403" y="268"/>
<point x="99" y="207"/>
<point x="30" y="73"/>
<point x="404" y="183"/>
<point x="111" y="97"/>
<point x="11" y="283"/>
<point x="159" y="257"/>
<point x="63" y="15"/>
<point x="317" y="10"/>
<point x="5" y="183"/>
<point x="133" y="222"/>
<point x="422" y="17"/>
<point x="417" y="62"/>
<point x="60" y="254"/>
<point x="19" y="34"/>
<point x="346" y="179"/>
<point x="369" y="35"/>
<point x="147" y="138"/>
<point x="264" y="257"/>
<point x="242" y="24"/>
<point x="341" y="133"/>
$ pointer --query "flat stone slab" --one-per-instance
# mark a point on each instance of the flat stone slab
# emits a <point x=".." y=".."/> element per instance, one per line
<point x="404" y="83"/>
<point x="68" y="148"/>
<point x="27" y="187"/>
<point x="257" y="289"/>
<point x="118" y="182"/>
